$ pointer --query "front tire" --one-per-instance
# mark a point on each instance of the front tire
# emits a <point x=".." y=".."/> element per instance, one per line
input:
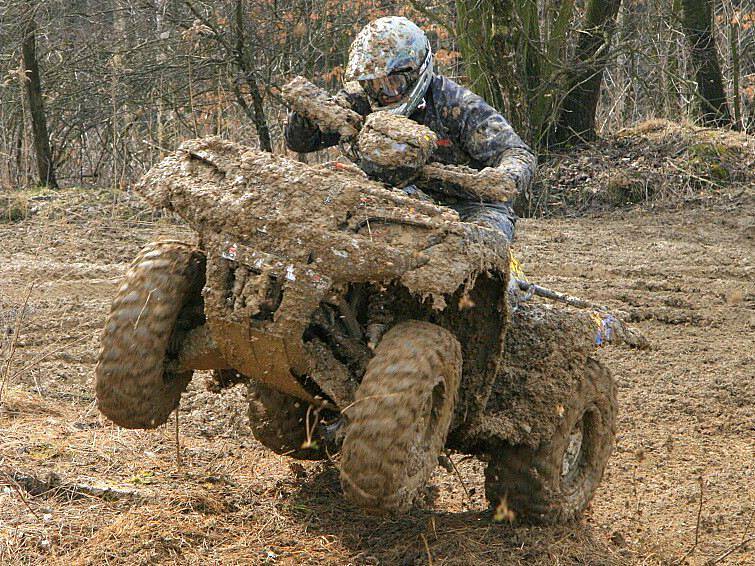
<point x="555" y="482"/>
<point x="159" y="299"/>
<point x="400" y="418"/>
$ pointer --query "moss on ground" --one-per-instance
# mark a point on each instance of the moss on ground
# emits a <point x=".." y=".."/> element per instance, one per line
<point x="656" y="160"/>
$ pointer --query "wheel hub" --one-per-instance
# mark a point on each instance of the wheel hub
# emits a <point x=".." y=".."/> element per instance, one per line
<point x="572" y="455"/>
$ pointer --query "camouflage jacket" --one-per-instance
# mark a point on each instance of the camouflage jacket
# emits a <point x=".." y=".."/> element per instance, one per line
<point x="470" y="131"/>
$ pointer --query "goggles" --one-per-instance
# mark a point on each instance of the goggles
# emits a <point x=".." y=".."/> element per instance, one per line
<point x="392" y="86"/>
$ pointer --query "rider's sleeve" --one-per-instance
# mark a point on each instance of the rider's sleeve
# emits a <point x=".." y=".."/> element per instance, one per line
<point x="492" y="142"/>
<point x="303" y="136"/>
<point x="486" y="135"/>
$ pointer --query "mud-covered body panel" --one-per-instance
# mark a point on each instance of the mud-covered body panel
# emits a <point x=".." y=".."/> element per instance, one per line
<point x="546" y="351"/>
<point x="309" y="230"/>
<point x="311" y="215"/>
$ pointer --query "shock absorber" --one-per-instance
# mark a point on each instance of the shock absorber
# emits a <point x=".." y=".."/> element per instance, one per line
<point x="379" y="318"/>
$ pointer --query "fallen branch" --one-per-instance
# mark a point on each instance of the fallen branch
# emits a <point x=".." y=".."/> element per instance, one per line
<point x="743" y="543"/>
<point x="730" y="551"/>
<point x="54" y="483"/>
<point x="17" y="488"/>
<point x="458" y="475"/>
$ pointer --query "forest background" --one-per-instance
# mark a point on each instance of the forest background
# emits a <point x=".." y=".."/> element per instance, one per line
<point x="94" y="93"/>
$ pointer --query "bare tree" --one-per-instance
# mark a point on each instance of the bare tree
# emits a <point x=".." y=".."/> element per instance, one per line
<point x="33" y="86"/>
<point x="698" y="27"/>
<point x="576" y="118"/>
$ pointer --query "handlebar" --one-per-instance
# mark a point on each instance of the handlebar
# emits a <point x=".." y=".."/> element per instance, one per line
<point x="333" y="114"/>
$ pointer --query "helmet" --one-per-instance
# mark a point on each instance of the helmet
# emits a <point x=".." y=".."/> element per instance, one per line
<point x="392" y="60"/>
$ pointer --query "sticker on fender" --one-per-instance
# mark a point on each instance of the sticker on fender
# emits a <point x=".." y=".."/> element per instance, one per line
<point x="230" y="252"/>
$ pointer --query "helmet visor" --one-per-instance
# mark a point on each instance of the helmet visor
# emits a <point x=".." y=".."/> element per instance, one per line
<point x="390" y="89"/>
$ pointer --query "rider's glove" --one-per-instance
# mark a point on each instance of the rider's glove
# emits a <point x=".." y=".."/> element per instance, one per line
<point x="493" y="184"/>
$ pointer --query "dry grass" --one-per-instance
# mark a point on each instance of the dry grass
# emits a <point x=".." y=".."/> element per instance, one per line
<point x="72" y="204"/>
<point x="684" y="407"/>
<point x="231" y="502"/>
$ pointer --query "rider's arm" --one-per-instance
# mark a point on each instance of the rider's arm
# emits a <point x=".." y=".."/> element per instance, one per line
<point x="492" y="142"/>
<point x="304" y="136"/>
<point x="485" y="135"/>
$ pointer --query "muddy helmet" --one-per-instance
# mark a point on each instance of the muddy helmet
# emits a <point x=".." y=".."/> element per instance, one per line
<point x="392" y="60"/>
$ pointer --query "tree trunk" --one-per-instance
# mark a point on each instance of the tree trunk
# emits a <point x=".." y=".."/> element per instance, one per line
<point x="33" y="87"/>
<point x="260" y="121"/>
<point x="257" y="111"/>
<point x="698" y="27"/>
<point x="575" y="123"/>
<point x="485" y="32"/>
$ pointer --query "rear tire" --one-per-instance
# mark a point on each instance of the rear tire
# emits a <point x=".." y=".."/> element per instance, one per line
<point x="279" y="422"/>
<point x="400" y="418"/>
<point x="158" y="300"/>
<point x="555" y="482"/>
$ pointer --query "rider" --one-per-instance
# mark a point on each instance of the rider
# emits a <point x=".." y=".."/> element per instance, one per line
<point x="392" y="60"/>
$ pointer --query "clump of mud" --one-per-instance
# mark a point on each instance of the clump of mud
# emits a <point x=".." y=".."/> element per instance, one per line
<point x="656" y="160"/>
<point x="389" y="140"/>
<point x="491" y="184"/>
<point x="317" y="105"/>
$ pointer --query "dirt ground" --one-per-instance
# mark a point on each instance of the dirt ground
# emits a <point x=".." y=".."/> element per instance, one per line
<point x="680" y="487"/>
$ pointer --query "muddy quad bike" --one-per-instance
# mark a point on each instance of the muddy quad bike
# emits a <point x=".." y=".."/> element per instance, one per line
<point x="362" y="320"/>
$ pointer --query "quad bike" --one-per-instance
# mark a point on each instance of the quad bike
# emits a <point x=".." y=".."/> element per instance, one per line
<point x="365" y="322"/>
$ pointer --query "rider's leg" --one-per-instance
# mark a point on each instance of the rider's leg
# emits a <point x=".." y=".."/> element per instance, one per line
<point x="501" y="217"/>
